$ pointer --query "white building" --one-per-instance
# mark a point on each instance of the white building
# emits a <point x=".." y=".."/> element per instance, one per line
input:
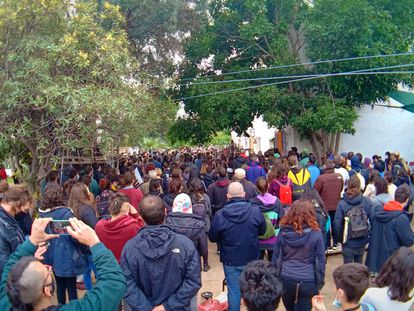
<point x="378" y="129"/>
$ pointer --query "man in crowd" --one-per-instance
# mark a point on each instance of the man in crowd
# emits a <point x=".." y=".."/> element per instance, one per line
<point x="249" y="188"/>
<point x="135" y="195"/>
<point x="313" y="169"/>
<point x="240" y="160"/>
<point x="341" y="170"/>
<point x="330" y="185"/>
<point x="217" y="192"/>
<point x="254" y="170"/>
<point x="27" y="283"/>
<point x="299" y="176"/>
<point x="162" y="268"/>
<point x="237" y="227"/>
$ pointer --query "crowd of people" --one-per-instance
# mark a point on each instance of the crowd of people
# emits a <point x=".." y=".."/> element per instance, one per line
<point x="143" y="228"/>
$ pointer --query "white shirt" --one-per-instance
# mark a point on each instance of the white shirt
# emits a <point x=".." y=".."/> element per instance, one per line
<point x="379" y="298"/>
<point x="391" y="191"/>
<point x="345" y="177"/>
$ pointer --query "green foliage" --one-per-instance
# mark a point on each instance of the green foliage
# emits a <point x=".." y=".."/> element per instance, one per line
<point x="66" y="79"/>
<point x="251" y="34"/>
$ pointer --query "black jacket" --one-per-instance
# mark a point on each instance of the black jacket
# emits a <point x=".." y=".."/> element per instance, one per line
<point x="218" y="194"/>
<point x="168" y="202"/>
<point x="10" y="237"/>
<point x="190" y="225"/>
<point x="161" y="267"/>
<point x="249" y="189"/>
<point x="237" y="227"/>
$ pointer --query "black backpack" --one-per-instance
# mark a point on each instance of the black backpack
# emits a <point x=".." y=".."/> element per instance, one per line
<point x="358" y="222"/>
<point x="321" y="217"/>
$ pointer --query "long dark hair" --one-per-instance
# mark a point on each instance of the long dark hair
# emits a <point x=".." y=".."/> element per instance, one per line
<point x="311" y="194"/>
<point x="398" y="274"/>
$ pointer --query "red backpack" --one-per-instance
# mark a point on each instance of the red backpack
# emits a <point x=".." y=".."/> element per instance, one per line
<point x="285" y="192"/>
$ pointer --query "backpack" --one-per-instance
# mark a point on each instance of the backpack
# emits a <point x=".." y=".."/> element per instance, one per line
<point x="301" y="181"/>
<point x="357" y="222"/>
<point x="321" y="218"/>
<point x="285" y="192"/>
<point x="102" y="205"/>
<point x="200" y="209"/>
<point x="271" y="229"/>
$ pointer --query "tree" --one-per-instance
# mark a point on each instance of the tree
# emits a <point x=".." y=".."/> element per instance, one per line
<point x="157" y="29"/>
<point x="258" y="34"/>
<point x="66" y="80"/>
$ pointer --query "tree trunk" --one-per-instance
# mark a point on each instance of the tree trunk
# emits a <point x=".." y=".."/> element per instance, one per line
<point x="337" y="142"/>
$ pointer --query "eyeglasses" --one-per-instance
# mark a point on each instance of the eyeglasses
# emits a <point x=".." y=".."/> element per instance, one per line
<point x="51" y="284"/>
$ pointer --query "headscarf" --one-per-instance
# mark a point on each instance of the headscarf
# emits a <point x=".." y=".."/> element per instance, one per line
<point x="182" y="204"/>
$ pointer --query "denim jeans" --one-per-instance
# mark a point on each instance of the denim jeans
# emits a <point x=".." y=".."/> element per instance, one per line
<point x="89" y="266"/>
<point x="353" y="254"/>
<point x="297" y="296"/>
<point x="232" y="274"/>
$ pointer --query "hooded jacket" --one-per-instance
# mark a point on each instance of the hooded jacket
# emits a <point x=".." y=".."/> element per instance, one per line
<point x="239" y="161"/>
<point x="271" y="205"/>
<point x="274" y="188"/>
<point x="343" y="208"/>
<point x="237" y="227"/>
<point x="379" y="201"/>
<point x="249" y="188"/>
<point x="115" y="233"/>
<point x="190" y="225"/>
<point x="64" y="254"/>
<point x="168" y="201"/>
<point x="161" y="267"/>
<point x="300" y="257"/>
<point x="10" y="237"/>
<point x="253" y="171"/>
<point x="330" y="185"/>
<point x="218" y="193"/>
<point x="390" y="230"/>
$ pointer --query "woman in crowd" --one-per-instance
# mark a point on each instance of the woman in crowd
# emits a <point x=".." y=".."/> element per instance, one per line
<point x="370" y="190"/>
<point x="175" y="187"/>
<point x="81" y="202"/>
<point x="115" y="231"/>
<point x="395" y="283"/>
<point x="155" y="187"/>
<point x="382" y="197"/>
<point x="201" y="206"/>
<point x="278" y="177"/>
<point x="102" y="200"/>
<point x="391" y="186"/>
<point x="299" y="256"/>
<point x="182" y="220"/>
<point x="63" y="254"/>
<point x="15" y="199"/>
<point x="272" y="209"/>
<point x="353" y="203"/>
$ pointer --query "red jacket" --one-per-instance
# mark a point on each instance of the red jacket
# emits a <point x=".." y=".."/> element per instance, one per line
<point x="135" y="195"/>
<point x="115" y="233"/>
<point x="329" y="185"/>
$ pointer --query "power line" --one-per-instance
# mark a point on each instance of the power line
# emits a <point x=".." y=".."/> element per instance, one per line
<point x="303" y="64"/>
<point x="360" y="72"/>
<point x="278" y="77"/>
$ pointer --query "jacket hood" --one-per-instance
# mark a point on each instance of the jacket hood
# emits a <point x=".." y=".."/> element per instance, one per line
<point x="237" y="210"/>
<point x="223" y="183"/>
<point x="169" y="199"/>
<point x="117" y="226"/>
<point x="267" y="199"/>
<point x="383" y="197"/>
<point x="356" y="164"/>
<point x="156" y="241"/>
<point x="6" y="217"/>
<point x="296" y="169"/>
<point x="353" y="201"/>
<point x="387" y="216"/>
<point x="283" y="180"/>
<point x="187" y="224"/>
<point x="253" y="163"/>
<point x="393" y="206"/>
<point x="295" y="239"/>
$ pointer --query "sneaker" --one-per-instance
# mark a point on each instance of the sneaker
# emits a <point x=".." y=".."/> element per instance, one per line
<point x="206" y="267"/>
<point x="335" y="247"/>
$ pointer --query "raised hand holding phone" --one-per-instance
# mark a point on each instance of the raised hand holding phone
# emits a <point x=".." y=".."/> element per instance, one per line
<point x="82" y="232"/>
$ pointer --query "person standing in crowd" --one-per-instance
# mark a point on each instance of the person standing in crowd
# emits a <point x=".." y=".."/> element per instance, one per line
<point x="370" y="190"/>
<point x="237" y="227"/>
<point x="261" y="288"/>
<point x="63" y="254"/>
<point x="94" y="186"/>
<point x="217" y="192"/>
<point x="352" y="221"/>
<point x="395" y="283"/>
<point x="391" y="186"/>
<point x="81" y="202"/>
<point x="254" y="170"/>
<point x="299" y="256"/>
<point x="52" y="176"/>
<point x="299" y="176"/>
<point x="15" y="199"/>
<point x="330" y="185"/>
<point x="175" y="187"/>
<point x="278" y="177"/>
<point x="119" y="227"/>
<point x="390" y="230"/>
<point x="356" y="169"/>
<point x="162" y="268"/>
<point x="135" y="195"/>
<point x="183" y="221"/>
<point x="341" y="170"/>
<point x="102" y="200"/>
<point x="249" y="189"/>
<point x="240" y="160"/>
<point x="272" y="210"/>
<point x="27" y="284"/>
<point x="313" y="169"/>
<point x="351" y="281"/>
<point x="382" y="197"/>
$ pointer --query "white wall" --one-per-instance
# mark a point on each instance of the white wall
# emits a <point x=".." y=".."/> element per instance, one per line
<point x="382" y="129"/>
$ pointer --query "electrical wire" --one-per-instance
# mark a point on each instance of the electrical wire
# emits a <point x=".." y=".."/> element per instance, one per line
<point x="277" y="77"/>
<point x="303" y="64"/>
<point x="359" y="72"/>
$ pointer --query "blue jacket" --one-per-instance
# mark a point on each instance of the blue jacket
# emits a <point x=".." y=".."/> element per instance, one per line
<point x="10" y="237"/>
<point x="161" y="267"/>
<point x="390" y="230"/>
<point x="254" y="171"/>
<point x="343" y="207"/>
<point x="63" y="254"/>
<point x="237" y="227"/>
<point x="314" y="173"/>
<point x="300" y="257"/>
